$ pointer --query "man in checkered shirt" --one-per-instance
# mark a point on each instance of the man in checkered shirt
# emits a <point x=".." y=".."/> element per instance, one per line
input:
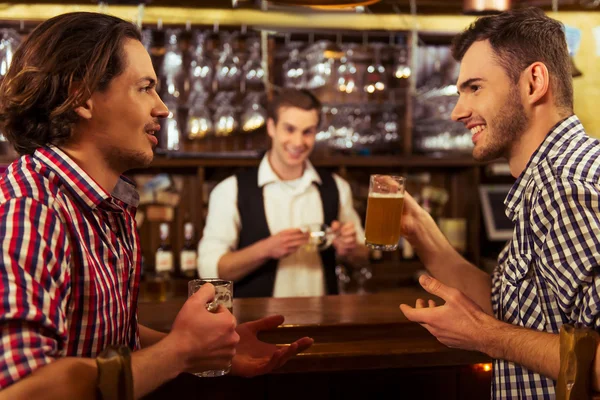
<point x="516" y="97"/>
<point x="79" y="103"/>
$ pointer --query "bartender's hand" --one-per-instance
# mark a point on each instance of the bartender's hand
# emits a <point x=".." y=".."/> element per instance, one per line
<point x="203" y="340"/>
<point x="345" y="242"/>
<point x="285" y="243"/>
<point x="458" y="323"/>
<point x="254" y="357"/>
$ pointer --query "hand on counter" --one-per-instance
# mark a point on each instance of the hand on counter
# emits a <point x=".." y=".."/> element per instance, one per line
<point x="254" y="357"/>
<point x="458" y="323"/>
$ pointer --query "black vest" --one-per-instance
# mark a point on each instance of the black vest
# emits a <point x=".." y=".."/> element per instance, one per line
<point x="251" y="206"/>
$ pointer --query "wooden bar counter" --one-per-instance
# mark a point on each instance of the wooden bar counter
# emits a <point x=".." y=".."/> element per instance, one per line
<point x="364" y="348"/>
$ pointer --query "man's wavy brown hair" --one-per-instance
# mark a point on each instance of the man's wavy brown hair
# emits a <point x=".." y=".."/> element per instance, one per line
<point x="57" y="68"/>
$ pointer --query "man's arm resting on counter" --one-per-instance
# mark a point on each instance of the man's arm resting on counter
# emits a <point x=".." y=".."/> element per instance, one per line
<point x="75" y="378"/>
<point x="237" y="264"/>
<point x="537" y="351"/>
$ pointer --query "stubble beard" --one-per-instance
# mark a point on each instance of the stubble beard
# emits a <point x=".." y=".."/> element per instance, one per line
<point x="124" y="160"/>
<point x="506" y="127"/>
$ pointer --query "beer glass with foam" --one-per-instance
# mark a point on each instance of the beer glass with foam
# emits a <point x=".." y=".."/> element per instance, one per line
<point x="384" y="212"/>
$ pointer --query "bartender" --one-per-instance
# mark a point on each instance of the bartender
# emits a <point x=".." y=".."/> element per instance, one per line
<point x="255" y="231"/>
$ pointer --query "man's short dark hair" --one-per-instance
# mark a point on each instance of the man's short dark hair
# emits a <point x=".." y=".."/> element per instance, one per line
<point x="519" y="38"/>
<point x="57" y="68"/>
<point x="299" y="98"/>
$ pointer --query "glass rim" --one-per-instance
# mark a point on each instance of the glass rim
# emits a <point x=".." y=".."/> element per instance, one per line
<point x="395" y="177"/>
<point x="213" y="281"/>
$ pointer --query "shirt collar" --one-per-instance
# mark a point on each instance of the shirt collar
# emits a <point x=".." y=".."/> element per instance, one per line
<point x="558" y="135"/>
<point x="126" y="192"/>
<point x="266" y="174"/>
<point x="83" y="186"/>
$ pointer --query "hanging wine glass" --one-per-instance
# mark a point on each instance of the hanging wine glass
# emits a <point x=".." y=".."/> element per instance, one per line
<point x="172" y="67"/>
<point x="9" y="41"/>
<point x="201" y="68"/>
<point x="294" y="68"/>
<point x="388" y="126"/>
<point x="199" y="120"/>
<point x="401" y="69"/>
<point x="375" y="80"/>
<point x="342" y="129"/>
<point x="255" y="114"/>
<point x="253" y="69"/>
<point x="320" y="64"/>
<point x="225" y="118"/>
<point x="363" y="137"/>
<point x="228" y="71"/>
<point x="325" y="133"/>
<point x="347" y="74"/>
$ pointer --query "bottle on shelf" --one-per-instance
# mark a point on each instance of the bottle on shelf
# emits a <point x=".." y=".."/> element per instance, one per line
<point x="164" y="254"/>
<point x="188" y="255"/>
<point x="157" y="282"/>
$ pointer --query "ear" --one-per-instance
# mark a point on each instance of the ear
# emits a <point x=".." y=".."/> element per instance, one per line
<point x="271" y="127"/>
<point x="537" y="80"/>
<point x="85" y="110"/>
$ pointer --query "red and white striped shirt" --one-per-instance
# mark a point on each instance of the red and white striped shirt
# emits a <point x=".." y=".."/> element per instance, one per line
<point x="69" y="264"/>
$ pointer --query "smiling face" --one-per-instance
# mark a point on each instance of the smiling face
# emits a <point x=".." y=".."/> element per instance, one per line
<point x="490" y="104"/>
<point x="293" y="138"/>
<point x="125" y="117"/>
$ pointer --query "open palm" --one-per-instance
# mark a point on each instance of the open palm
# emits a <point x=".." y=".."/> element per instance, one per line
<point x="254" y="357"/>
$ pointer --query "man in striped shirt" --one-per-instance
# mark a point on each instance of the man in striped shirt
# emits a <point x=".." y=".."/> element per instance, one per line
<point x="516" y="97"/>
<point x="79" y="104"/>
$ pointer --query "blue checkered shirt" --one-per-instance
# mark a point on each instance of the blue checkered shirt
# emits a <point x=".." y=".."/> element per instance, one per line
<point x="547" y="275"/>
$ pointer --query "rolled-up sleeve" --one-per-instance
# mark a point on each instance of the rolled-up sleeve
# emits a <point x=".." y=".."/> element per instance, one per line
<point x="222" y="229"/>
<point x="34" y="288"/>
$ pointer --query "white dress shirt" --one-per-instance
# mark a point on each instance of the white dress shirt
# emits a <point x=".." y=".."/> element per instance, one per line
<point x="288" y="204"/>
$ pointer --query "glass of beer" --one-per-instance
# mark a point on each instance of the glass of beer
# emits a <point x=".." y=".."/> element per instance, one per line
<point x="384" y="212"/>
<point x="224" y="297"/>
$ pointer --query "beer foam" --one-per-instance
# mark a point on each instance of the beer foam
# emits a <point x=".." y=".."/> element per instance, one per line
<point x="387" y="195"/>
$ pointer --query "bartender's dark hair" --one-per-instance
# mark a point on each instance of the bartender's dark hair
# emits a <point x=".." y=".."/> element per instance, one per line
<point x="288" y="97"/>
<point x="58" y="67"/>
<point x="519" y="38"/>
